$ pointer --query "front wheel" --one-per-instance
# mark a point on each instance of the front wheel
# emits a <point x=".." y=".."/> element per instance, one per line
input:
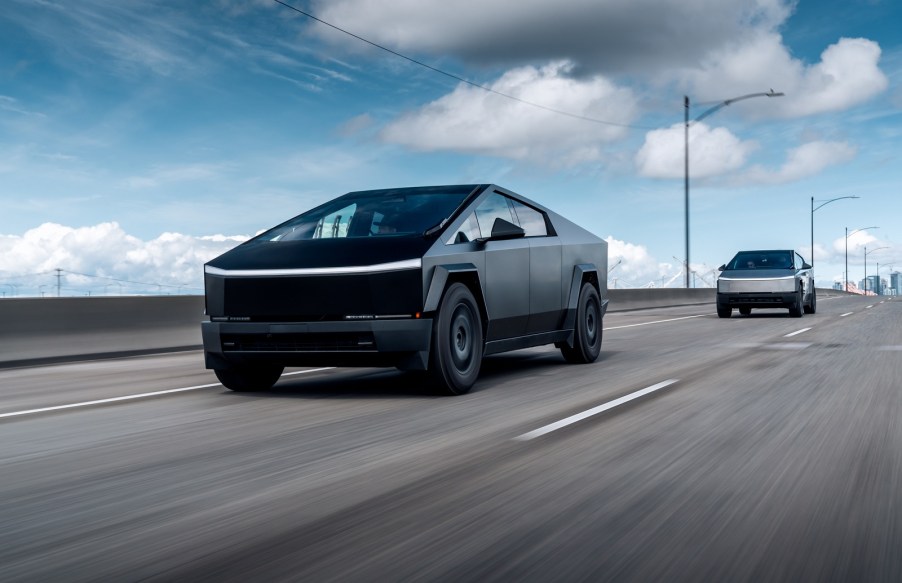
<point x="249" y="378"/>
<point x="456" y="355"/>
<point x="587" y="331"/>
<point x="724" y="311"/>
<point x="795" y="310"/>
<point x="745" y="311"/>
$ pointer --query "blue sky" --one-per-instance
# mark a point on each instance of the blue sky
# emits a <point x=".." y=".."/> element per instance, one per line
<point x="139" y="138"/>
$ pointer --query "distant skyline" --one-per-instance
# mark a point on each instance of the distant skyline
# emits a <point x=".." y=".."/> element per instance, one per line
<point x="140" y="139"/>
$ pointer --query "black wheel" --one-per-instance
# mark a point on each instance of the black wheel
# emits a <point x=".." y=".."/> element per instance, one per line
<point x="795" y="310"/>
<point x="587" y="330"/>
<point x="724" y="311"/>
<point x="811" y="306"/>
<point x="456" y="342"/>
<point x="745" y="311"/>
<point x="249" y="378"/>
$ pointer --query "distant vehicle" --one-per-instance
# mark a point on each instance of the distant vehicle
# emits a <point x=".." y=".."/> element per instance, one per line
<point x="428" y="278"/>
<point x="766" y="279"/>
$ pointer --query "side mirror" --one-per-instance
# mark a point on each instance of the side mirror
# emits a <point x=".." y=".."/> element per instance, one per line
<point x="502" y="230"/>
<point x="722" y="267"/>
<point x="805" y="266"/>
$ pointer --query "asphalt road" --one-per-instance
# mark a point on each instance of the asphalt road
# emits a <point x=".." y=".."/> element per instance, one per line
<point x="771" y="451"/>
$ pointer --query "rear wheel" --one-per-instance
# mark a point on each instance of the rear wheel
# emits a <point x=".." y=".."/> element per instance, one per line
<point x="811" y="306"/>
<point x="724" y="311"/>
<point x="587" y="331"/>
<point x="249" y="378"/>
<point x="456" y="355"/>
<point x="745" y="311"/>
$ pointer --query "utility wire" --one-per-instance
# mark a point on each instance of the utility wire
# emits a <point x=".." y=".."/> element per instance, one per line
<point x="459" y="78"/>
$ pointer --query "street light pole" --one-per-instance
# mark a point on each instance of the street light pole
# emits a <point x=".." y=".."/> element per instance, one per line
<point x="866" y="253"/>
<point x="705" y="114"/>
<point x="848" y="234"/>
<point x="686" y="184"/>
<point x="823" y="204"/>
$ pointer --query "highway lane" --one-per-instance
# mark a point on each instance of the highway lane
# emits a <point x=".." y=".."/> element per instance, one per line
<point x="771" y="457"/>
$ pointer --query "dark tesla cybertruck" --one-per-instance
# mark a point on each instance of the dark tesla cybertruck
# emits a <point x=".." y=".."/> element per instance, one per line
<point x="430" y="279"/>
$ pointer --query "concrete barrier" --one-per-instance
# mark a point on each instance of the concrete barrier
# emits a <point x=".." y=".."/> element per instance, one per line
<point x="44" y="330"/>
<point x="622" y="300"/>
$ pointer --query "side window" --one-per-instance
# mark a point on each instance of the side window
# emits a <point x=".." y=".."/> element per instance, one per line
<point x="468" y="231"/>
<point x="531" y="220"/>
<point x="799" y="261"/>
<point x="494" y="207"/>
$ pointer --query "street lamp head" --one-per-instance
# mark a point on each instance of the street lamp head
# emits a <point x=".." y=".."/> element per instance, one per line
<point x="773" y="93"/>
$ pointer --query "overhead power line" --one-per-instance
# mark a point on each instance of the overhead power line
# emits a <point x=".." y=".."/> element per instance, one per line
<point x="458" y="77"/>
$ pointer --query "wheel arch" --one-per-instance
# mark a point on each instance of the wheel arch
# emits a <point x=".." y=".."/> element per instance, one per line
<point x="445" y="275"/>
<point x="582" y="273"/>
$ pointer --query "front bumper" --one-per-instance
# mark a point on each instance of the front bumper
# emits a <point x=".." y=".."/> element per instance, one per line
<point x="756" y="300"/>
<point x="403" y="343"/>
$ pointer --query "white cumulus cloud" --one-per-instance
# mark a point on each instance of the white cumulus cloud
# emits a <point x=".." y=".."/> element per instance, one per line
<point x="104" y="259"/>
<point x="630" y="265"/>
<point x="847" y="74"/>
<point x="806" y="160"/>
<point x="476" y="121"/>
<point x="712" y="151"/>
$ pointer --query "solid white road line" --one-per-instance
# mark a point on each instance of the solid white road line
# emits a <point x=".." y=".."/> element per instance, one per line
<point x="138" y="396"/>
<point x="593" y="411"/>
<point x="868" y="307"/>
<point x="846" y="314"/>
<point x="655" y="322"/>
<point x="796" y="332"/>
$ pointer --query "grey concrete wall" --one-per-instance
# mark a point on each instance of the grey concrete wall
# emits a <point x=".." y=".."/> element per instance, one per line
<point x="51" y="329"/>
<point x="622" y="300"/>
<point x="44" y="330"/>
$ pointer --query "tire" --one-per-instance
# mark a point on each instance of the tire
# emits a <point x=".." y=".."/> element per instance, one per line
<point x="249" y="378"/>
<point x="457" y="346"/>
<point x="745" y="311"/>
<point x="811" y="307"/>
<point x="795" y="310"/>
<point x="724" y="311"/>
<point x="587" y="330"/>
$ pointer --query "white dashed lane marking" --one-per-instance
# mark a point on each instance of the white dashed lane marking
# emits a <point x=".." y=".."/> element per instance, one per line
<point x="593" y="411"/>
<point x="796" y="332"/>
<point x="138" y="396"/>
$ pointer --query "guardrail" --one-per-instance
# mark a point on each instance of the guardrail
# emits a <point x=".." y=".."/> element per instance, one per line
<point x="36" y="331"/>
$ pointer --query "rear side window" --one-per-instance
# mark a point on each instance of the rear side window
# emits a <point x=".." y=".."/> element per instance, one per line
<point x="494" y="207"/>
<point x="531" y="220"/>
<point x="497" y="206"/>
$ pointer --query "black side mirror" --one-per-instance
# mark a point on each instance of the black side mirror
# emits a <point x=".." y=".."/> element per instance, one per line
<point x="805" y="266"/>
<point x="722" y="267"/>
<point x="502" y="229"/>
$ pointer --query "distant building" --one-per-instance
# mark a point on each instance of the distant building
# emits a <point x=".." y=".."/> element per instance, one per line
<point x="873" y="284"/>
<point x="895" y="283"/>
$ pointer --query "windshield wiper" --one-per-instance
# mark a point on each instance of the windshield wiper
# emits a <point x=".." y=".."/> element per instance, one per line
<point x="434" y="229"/>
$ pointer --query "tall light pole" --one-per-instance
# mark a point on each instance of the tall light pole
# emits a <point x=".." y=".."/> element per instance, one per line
<point x="823" y="204"/>
<point x="705" y="114"/>
<point x="848" y="234"/>
<point x="866" y="253"/>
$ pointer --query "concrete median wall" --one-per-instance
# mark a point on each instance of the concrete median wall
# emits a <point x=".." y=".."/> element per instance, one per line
<point x="44" y="330"/>
<point x="622" y="300"/>
<point x="39" y="330"/>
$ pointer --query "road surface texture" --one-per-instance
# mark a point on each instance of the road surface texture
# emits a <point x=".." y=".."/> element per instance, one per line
<point x="762" y="448"/>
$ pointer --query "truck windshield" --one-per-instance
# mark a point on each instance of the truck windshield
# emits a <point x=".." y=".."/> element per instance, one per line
<point x="761" y="260"/>
<point x="381" y="213"/>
